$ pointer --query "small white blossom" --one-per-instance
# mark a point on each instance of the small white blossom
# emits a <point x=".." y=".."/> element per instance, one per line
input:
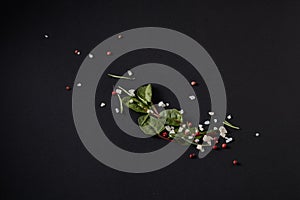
<point x="229" y="117"/>
<point x="118" y="91"/>
<point x="223" y="131"/>
<point x="256" y="134"/>
<point x="131" y="92"/>
<point x="192" y="97"/>
<point x="130" y="101"/>
<point x="228" y="140"/>
<point x="199" y="147"/>
<point x="186" y="131"/>
<point x="183" y="125"/>
<point x="167" y="104"/>
<point x="168" y="128"/>
<point x="180" y="129"/>
<point x="161" y="104"/>
<point x="201" y="127"/>
<point x="172" y="132"/>
<point x="197" y="140"/>
<point x="129" y="73"/>
<point x="215" y="128"/>
<point x="149" y="111"/>
<point x="215" y="120"/>
<point x="181" y="111"/>
<point x="206" y="122"/>
<point x="207" y="139"/>
<point x="117" y="110"/>
<point x="190" y="137"/>
<point x="211" y="113"/>
<point x="102" y="104"/>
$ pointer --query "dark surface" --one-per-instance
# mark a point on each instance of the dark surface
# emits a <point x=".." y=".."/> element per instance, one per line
<point x="256" y="47"/>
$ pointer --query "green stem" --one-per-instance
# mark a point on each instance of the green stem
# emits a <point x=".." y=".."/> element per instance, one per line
<point x="121" y="104"/>
<point x="120" y="77"/>
<point x="230" y="125"/>
<point x="124" y="90"/>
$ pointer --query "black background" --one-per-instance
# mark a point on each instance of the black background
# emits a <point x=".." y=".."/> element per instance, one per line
<point x="255" y="44"/>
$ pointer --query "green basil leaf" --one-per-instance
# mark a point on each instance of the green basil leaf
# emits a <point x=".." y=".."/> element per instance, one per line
<point x="142" y="119"/>
<point x="136" y="104"/>
<point x="144" y="93"/>
<point x="152" y="126"/>
<point x="172" y="116"/>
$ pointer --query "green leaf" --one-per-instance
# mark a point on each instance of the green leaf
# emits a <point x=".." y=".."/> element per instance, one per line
<point x="172" y="116"/>
<point x="136" y="104"/>
<point x="152" y="125"/>
<point x="144" y="93"/>
<point x="142" y="119"/>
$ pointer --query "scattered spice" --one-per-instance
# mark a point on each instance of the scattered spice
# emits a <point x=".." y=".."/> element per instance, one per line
<point x="68" y="88"/>
<point x="193" y="83"/>
<point x="77" y="52"/>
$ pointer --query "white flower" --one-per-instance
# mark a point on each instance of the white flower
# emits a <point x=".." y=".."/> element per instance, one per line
<point x="215" y="120"/>
<point x="190" y="137"/>
<point x="149" y="111"/>
<point x="183" y="125"/>
<point x="229" y="117"/>
<point x="168" y="128"/>
<point x="201" y="127"/>
<point x="223" y="131"/>
<point x="130" y="101"/>
<point x="161" y="104"/>
<point x="118" y="91"/>
<point x="192" y="97"/>
<point x="186" y="131"/>
<point x="197" y="140"/>
<point x="211" y="113"/>
<point x="207" y="139"/>
<point x="181" y="111"/>
<point x="117" y="110"/>
<point x="102" y="104"/>
<point x="129" y="73"/>
<point x="131" y="92"/>
<point x="180" y="129"/>
<point x="199" y="147"/>
<point x="167" y="104"/>
<point x="206" y="122"/>
<point x="172" y="132"/>
<point x="228" y="140"/>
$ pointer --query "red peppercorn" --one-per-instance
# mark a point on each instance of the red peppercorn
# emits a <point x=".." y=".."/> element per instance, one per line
<point x="197" y="134"/>
<point x="77" y="52"/>
<point x="113" y="92"/>
<point x="224" y="146"/>
<point x="193" y="83"/>
<point x="164" y="134"/>
<point x="68" y="88"/>
<point x="235" y="162"/>
<point x="215" y="147"/>
<point x="192" y="155"/>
